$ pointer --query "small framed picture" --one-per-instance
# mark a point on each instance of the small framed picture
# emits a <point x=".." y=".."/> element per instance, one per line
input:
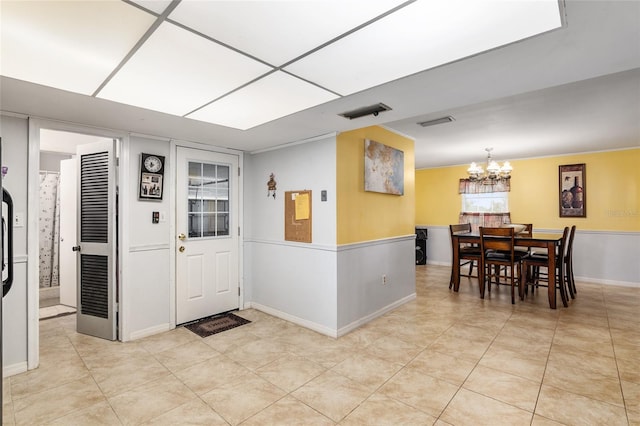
<point x="572" y="190"/>
<point x="151" y="177"/>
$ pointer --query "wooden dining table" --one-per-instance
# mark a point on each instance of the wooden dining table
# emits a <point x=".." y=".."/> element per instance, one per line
<point x="543" y="240"/>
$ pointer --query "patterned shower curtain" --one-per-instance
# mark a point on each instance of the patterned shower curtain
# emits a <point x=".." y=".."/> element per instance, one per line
<point x="49" y="229"/>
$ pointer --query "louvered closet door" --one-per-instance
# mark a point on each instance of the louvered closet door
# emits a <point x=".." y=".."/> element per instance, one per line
<point x="97" y="210"/>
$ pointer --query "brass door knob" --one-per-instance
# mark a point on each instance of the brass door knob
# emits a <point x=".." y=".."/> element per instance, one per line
<point x="182" y="237"/>
<point x="181" y="249"/>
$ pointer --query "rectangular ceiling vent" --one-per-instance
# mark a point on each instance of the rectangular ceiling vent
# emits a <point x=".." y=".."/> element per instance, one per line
<point x="364" y="111"/>
<point x="447" y="119"/>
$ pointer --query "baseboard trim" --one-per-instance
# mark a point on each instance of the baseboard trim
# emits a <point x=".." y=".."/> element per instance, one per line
<point x="149" y="331"/>
<point x="298" y="321"/>
<point x="13" y="369"/>
<point x="354" y="325"/>
<point x="606" y="282"/>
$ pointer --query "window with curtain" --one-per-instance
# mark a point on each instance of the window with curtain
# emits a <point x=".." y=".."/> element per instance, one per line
<point x="484" y="204"/>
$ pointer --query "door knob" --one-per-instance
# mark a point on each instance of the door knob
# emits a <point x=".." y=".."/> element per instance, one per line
<point x="182" y="237"/>
<point x="181" y="249"/>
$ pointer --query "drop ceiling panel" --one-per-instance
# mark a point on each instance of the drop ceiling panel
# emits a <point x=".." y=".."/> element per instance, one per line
<point x="277" y="31"/>
<point x="176" y="71"/>
<point x="157" y="6"/>
<point x="70" y="45"/>
<point x="421" y="36"/>
<point x="274" y="96"/>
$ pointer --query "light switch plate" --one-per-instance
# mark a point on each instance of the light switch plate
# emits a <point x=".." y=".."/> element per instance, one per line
<point x="18" y="220"/>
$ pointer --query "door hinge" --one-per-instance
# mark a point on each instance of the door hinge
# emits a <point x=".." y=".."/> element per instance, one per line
<point x="238" y="231"/>
<point x="238" y="171"/>
<point x="238" y="291"/>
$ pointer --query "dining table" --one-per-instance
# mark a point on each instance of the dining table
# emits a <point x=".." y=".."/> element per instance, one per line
<point x="538" y="239"/>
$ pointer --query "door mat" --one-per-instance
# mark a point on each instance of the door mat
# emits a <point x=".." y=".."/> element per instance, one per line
<point x="215" y="324"/>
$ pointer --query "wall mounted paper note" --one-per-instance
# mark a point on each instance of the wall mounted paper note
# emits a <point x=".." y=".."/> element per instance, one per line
<point x="302" y="206"/>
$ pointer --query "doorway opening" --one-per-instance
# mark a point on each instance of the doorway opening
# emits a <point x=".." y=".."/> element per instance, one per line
<point x="58" y="220"/>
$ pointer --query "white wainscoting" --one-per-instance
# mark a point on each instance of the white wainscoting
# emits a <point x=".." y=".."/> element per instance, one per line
<point x="363" y="294"/>
<point x="600" y="257"/>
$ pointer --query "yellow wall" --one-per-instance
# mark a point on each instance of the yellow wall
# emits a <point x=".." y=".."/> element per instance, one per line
<point x="366" y="216"/>
<point x="612" y="192"/>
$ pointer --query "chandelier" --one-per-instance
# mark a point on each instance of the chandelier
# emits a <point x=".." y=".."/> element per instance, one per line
<point x="494" y="172"/>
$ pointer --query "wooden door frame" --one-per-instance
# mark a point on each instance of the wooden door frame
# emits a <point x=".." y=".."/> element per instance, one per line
<point x="173" y="158"/>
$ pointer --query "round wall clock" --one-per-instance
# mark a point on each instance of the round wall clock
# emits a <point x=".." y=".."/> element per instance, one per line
<point x="153" y="164"/>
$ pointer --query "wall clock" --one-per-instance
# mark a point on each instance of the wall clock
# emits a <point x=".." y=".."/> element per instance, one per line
<point x="151" y="176"/>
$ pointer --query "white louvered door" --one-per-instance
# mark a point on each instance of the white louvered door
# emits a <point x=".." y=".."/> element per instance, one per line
<point x="97" y="209"/>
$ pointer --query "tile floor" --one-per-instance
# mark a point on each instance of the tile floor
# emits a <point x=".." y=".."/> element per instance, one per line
<point x="444" y="359"/>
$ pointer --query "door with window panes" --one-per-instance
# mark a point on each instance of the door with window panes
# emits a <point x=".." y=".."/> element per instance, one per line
<point x="207" y="242"/>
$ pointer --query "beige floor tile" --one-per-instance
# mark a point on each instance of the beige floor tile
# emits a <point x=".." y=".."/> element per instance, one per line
<point x="543" y="421"/>
<point x="151" y="400"/>
<point x="584" y="382"/>
<point x="327" y="352"/>
<point x="624" y="351"/>
<point x="257" y="353"/>
<point x="210" y="374"/>
<point x="98" y="414"/>
<point x="470" y="408"/>
<point x="44" y="378"/>
<point x="461" y="346"/>
<point x="629" y="369"/>
<point x="42" y="407"/>
<point x="291" y="412"/>
<point x="572" y="409"/>
<point x="127" y="373"/>
<point x="194" y="412"/>
<point x="290" y="372"/>
<point x="442" y="366"/>
<point x="242" y="398"/>
<point x="163" y="341"/>
<point x="505" y="387"/>
<point x="6" y="390"/>
<point x="393" y="349"/>
<point x="332" y="395"/>
<point x="8" y="418"/>
<point x="566" y="356"/>
<point x="361" y="337"/>
<point x="368" y="370"/>
<point x="184" y="356"/>
<point x="229" y="340"/>
<point x="631" y="392"/>
<point x="633" y="417"/>
<point x="514" y="362"/>
<point x="420" y="391"/>
<point x="380" y="410"/>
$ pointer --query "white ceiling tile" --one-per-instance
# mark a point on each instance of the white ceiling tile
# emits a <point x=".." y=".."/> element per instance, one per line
<point x="277" y="31"/>
<point x="421" y="36"/>
<point x="157" y="6"/>
<point x="69" y="45"/>
<point x="269" y="98"/>
<point x="176" y="71"/>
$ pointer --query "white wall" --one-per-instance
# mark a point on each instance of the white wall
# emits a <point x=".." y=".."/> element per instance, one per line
<point x="146" y="306"/>
<point x="603" y="257"/>
<point x="14" y="132"/>
<point x="296" y="281"/>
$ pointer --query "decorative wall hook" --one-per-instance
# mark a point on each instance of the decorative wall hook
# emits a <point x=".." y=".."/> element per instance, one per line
<point x="271" y="186"/>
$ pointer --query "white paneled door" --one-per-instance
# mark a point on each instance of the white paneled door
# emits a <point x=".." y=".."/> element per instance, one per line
<point x="207" y="228"/>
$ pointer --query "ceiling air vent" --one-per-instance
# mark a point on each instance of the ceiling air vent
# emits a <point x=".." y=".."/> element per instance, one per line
<point x="368" y="110"/>
<point x="447" y="119"/>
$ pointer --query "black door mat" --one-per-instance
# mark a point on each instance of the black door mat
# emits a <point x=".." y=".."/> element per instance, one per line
<point x="215" y="324"/>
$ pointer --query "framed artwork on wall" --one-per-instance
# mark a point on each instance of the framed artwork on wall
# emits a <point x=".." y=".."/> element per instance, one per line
<point x="383" y="168"/>
<point x="151" y="177"/>
<point x="572" y="190"/>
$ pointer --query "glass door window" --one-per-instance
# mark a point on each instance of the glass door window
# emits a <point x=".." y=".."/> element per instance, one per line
<point x="208" y="214"/>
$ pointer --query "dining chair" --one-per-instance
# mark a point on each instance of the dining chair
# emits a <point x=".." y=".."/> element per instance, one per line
<point x="535" y="261"/>
<point x="468" y="254"/>
<point x="497" y="251"/>
<point x="568" y="264"/>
